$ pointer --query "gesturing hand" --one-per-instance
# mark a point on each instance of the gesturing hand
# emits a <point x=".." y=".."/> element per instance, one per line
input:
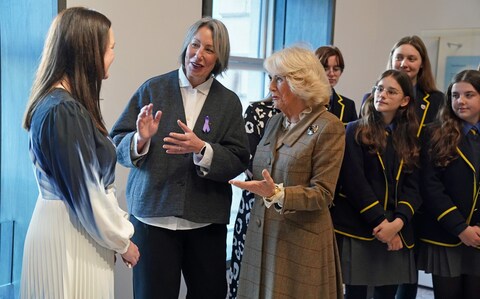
<point x="147" y="125"/>
<point x="178" y="143"/>
<point x="265" y="187"/>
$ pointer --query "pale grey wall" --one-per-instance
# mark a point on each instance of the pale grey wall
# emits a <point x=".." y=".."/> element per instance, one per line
<point x="365" y="31"/>
<point x="149" y="35"/>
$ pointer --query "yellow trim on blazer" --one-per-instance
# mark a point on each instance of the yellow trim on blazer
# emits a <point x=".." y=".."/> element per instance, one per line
<point x="408" y="204"/>
<point x="404" y="242"/>
<point x="440" y="243"/>
<point x="424" y="114"/>
<point x="445" y="213"/>
<point x="353" y="236"/>
<point x="386" y="182"/>
<point x="340" y="102"/>
<point x="465" y="158"/>
<point x="399" y="171"/>
<point x="370" y="206"/>
<point x="475" y="198"/>
<point x="475" y="191"/>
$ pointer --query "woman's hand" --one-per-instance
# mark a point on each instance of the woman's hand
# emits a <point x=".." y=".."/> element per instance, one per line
<point x="264" y="188"/>
<point x="395" y="244"/>
<point x="131" y="257"/>
<point x="386" y="230"/>
<point x="177" y="143"/>
<point x="471" y="236"/>
<point x="147" y="125"/>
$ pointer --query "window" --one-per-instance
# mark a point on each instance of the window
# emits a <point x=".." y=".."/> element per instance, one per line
<point x="248" y="23"/>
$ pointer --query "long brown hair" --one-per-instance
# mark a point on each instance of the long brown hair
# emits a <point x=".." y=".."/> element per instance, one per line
<point x="425" y="79"/>
<point x="371" y="130"/>
<point x="74" y="51"/>
<point x="447" y="129"/>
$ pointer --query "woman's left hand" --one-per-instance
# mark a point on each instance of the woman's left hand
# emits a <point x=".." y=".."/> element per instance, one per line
<point x="177" y="143"/>
<point x="264" y="188"/>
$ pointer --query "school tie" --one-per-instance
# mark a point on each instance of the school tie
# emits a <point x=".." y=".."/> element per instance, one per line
<point x="474" y="131"/>
<point x="388" y="131"/>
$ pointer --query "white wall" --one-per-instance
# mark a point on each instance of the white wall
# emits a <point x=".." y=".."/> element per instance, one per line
<point x="149" y="35"/>
<point x="365" y="32"/>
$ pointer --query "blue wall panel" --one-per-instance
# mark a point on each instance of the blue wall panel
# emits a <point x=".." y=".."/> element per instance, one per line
<point x="23" y="26"/>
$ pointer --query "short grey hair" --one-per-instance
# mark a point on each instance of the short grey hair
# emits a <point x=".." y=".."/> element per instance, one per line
<point x="221" y="42"/>
<point x="304" y="73"/>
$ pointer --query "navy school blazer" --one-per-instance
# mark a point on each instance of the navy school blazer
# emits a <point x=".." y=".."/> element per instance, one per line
<point x="361" y="203"/>
<point x="343" y="108"/>
<point x="427" y="106"/>
<point x="450" y="197"/>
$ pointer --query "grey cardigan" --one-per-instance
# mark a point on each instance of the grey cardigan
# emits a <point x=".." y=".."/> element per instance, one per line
<point x="161" y="184"/>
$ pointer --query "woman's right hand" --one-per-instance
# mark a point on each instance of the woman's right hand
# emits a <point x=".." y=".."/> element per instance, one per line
<point x="147" y="125"/>
<point x="131" y="257"/>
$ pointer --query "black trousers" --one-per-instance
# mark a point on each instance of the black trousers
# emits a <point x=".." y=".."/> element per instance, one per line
<point x="165" y="254"/>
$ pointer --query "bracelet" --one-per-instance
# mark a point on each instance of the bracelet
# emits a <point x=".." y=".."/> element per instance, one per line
<point x="275" y="192"/>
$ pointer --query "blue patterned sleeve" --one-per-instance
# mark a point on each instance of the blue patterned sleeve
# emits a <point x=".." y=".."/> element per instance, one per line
<point x="79" y="163"/>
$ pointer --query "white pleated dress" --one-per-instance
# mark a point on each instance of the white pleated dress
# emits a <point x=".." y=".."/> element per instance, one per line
<point x="77" y="225"/>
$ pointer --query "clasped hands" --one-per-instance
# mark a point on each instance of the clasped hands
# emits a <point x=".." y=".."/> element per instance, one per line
<point x="387" y="232"/>
<point x="175" y="143"/>
<point x="471" y="236"/>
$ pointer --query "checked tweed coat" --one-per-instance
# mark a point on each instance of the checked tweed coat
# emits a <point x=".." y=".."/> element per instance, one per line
<point x="293" y="254"/>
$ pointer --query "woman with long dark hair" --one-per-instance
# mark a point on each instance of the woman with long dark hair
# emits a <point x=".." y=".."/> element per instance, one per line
<point x="449" y="227"/>
<point x="77" y="226"/>
<point x="378" y="191"/>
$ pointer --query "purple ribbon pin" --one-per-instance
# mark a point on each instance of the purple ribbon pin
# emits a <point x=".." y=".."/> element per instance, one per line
<point x="206" y="125"/>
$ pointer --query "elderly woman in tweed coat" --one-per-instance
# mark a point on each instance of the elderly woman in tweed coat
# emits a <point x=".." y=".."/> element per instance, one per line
<point x="290" y="248"/>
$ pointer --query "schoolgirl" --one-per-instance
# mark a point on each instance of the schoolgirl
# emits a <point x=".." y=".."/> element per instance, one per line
<point x="379" y="191"/>
<point x="449" y="231"/>
<point x="410" y="55"/>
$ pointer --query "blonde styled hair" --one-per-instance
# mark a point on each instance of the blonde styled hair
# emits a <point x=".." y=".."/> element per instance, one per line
<point x="303" y="72"/>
